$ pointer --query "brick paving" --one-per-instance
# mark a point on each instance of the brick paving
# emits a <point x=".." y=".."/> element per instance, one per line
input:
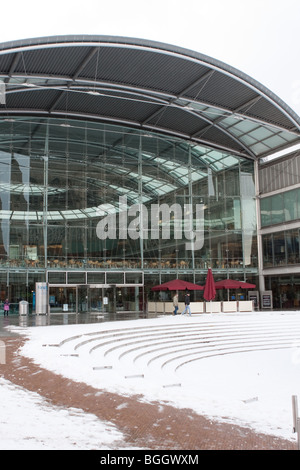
<point x="147" y="426"/>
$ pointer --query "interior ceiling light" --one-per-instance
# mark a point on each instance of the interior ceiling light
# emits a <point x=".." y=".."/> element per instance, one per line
<point x="281" y="153"/>
<point x="92" y="92"/>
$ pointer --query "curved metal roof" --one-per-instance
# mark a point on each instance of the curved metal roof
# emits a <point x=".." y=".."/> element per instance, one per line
<point x="145" y="85"/>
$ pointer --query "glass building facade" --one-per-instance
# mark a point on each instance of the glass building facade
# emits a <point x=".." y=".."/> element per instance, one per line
<point x="60" y="179"/>
<point x="125" y="163"/>
<point x="280" y="230"/>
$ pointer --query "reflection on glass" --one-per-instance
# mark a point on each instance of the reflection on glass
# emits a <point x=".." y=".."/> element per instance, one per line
<point x="57" y="183"/>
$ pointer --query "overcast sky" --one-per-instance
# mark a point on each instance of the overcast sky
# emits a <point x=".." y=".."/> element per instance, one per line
<point x="260" y="38"/>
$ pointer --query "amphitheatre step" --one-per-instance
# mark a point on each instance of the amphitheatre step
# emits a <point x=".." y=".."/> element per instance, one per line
<point x="133" y="355"/>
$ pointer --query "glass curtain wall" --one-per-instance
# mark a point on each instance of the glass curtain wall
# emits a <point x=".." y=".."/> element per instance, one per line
<point x="286" y="291"/>
<point x="72" y="194"/>
<point x="280" y="208"/>
<point x="281" y="248"/>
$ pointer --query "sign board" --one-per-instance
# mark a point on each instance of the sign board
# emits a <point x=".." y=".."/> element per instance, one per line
<point x="254" y="296"/>
<point x="266" y="299"/>
<point x="41" y="298"/>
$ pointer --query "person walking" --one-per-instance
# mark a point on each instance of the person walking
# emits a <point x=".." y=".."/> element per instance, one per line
<point x="175" y="304"/>
<point x="6" y="307"/>
<point x="187" y="305"/>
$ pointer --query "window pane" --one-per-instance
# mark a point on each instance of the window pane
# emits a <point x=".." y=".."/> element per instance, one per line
<point x="277" y="209"/>
<point x="267" y="250"/>
<point x="265" y="209"/>
<point x="115" y="278"/>
<point x="292" y="246"/>
<point x="290" y="205"/>
<point x="279" y="248"/>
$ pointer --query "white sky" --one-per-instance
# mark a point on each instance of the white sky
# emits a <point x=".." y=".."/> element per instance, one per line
<point x="259" y="37"/>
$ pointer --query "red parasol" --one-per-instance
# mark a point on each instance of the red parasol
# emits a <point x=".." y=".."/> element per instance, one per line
<point x="209" y="289"/>
<point x="177" y="284"/>
<point x="233" y="284"/>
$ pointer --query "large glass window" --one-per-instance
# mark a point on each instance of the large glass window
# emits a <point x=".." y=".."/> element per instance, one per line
<point x="277" y="209"/>
<point x="266" y="211"/>
<point x="290" y="204"/>
<point x="281" y="248"/>
<point x="81" y="196"/>
<point x="292" y="246"/>
<point x="280" y="208"/>
<point x="286" y="291"/>
<point x="267" y="243"/>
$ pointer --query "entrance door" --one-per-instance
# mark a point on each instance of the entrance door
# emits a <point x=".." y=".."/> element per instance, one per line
<point x="82" y="298"/>
<point x="62" y="299"/>
<point x="114" y="299"/>
<point x="66" y="298"/>
<point x="95" y="299"/>
<point x="102" y="298"/>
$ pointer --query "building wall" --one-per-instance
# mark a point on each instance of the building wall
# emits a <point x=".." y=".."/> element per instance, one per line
<point x="279" y="184"/>
<point x="280" y="175"/>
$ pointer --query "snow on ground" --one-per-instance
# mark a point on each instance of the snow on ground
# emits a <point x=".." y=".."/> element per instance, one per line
<point x="242" y="385"/>
<point x="27" y="422"/>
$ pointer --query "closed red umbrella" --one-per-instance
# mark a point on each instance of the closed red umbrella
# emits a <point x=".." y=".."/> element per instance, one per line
<point x="209" y="288"/>
<point x="177" y="284"/>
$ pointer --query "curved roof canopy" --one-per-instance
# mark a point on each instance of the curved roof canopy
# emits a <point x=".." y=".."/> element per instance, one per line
<point x="145" y="85"/>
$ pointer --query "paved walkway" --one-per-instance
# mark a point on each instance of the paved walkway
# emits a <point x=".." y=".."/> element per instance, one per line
<point x="150" y="426"/>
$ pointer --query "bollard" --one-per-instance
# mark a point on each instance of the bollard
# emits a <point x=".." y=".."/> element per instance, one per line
<point x="2" y="353"/>
<point x="296" y="419"/>
<point x="295" y="412"/>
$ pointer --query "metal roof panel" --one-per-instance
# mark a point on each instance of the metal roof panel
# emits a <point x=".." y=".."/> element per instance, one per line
<point x="143" y="84"/>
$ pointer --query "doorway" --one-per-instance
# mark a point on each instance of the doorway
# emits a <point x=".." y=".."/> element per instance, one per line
<point x="115" y="299"/>
<point x="62" y="298"/>
<point x="95" y="298"/>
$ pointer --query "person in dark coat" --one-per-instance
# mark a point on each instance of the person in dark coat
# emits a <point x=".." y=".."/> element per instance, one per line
<point x="187" y="305"/>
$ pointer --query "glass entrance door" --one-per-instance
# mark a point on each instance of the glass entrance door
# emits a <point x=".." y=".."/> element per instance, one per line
<point x="68" y="299"/>
<point x="102" y="298"/>
<point x="95" y="299"/>
<point x="62" y="299"/>
<point x="83" y="298"/>
<point x="114" y="299"/>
